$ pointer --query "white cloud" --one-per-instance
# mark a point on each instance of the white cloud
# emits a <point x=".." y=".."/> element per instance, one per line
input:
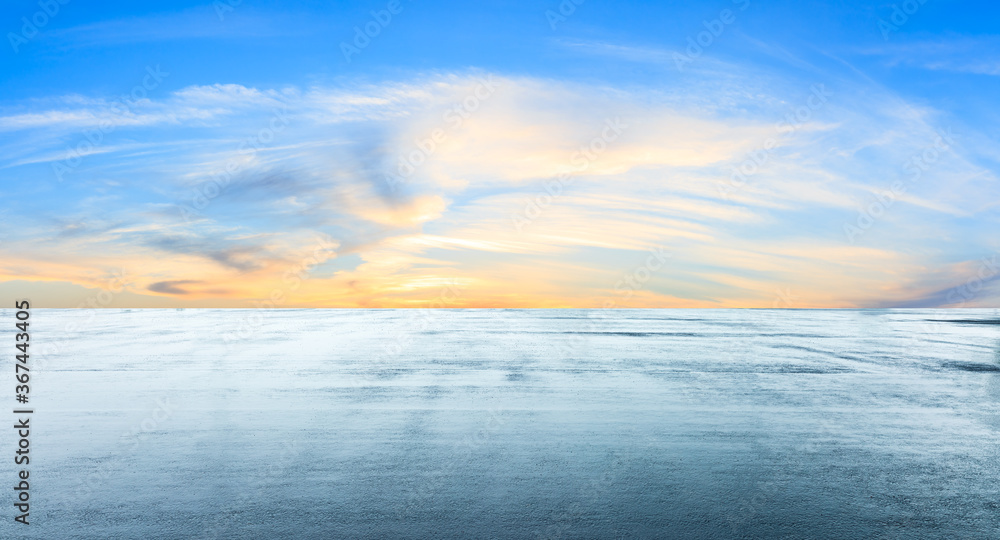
<point x="496" y="141"/>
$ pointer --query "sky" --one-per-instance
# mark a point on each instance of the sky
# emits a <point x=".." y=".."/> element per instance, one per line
<point x="729" y="153"/>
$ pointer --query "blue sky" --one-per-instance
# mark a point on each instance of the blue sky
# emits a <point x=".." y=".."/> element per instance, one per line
<point x="530" y="154"/>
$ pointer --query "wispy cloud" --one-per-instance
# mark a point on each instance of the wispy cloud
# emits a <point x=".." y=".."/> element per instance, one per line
<point x="957" y="54"/>
<point x="195" y="23"/>
<point x="172" y="287"/>
<point x="418" y="181"/>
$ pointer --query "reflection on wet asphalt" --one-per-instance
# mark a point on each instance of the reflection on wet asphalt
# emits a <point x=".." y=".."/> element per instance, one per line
<point x="515" y="424"/>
